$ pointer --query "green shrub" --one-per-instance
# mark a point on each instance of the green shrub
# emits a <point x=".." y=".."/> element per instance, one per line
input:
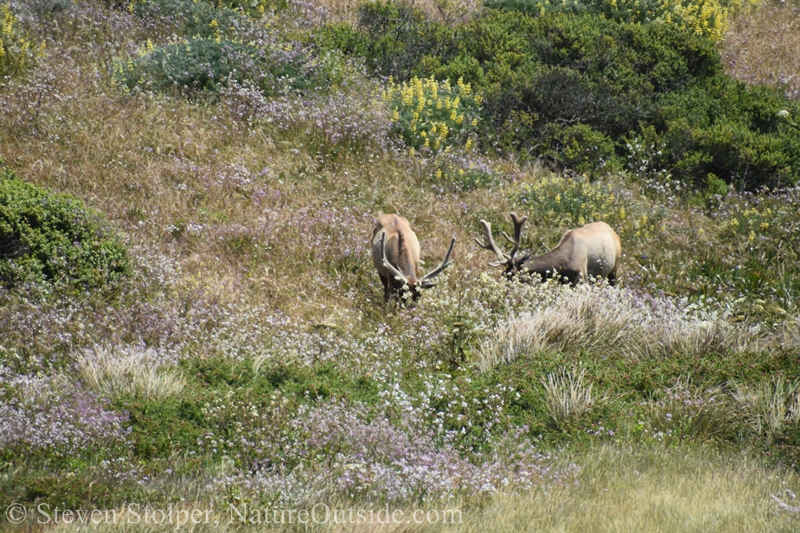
<point x="580" y="147"/>
<point x="395" y="38"/>
<point x="202" y="66"/>
<point x="46" y="237"/>
<point x="433" y="115"/>
<point x="585" y="91"/>
<point x="567" y="69"/>
<point x="743" y="135"/>
<point x="703" y="17"/>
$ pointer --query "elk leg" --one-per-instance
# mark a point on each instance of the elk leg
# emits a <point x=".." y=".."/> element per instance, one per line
<point x="612" y="277"/>
<point x="387" y="291"/>
<point x="572" y="276"/>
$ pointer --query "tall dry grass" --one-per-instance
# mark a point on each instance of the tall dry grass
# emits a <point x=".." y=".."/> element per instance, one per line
<point x="118" y="371"/>
<point x="616" y="323"/>
<point x="567" y="394"/>
<point x="763" y="47"/>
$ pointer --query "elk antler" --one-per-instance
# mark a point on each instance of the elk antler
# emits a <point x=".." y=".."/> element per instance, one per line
<point x="491" y="246"/>
<point x="426" y="279"/>
<point x="398" y="275"/>
<point x="518" y="222"/>
<point x="505" y="259"/>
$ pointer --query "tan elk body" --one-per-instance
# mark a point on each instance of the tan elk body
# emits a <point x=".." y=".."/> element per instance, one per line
<point x="587" y="253"/>
<point x="395" y="254"/>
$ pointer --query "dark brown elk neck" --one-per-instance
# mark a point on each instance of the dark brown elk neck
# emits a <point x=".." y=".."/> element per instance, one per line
<point x="544" y="264"/>
<point x="404" y="260"/>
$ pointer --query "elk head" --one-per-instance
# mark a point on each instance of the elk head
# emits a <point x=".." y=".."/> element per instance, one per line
<point x="510" y="261"/>
<point x="395" y="254"/>
<point x="587" y="253"/>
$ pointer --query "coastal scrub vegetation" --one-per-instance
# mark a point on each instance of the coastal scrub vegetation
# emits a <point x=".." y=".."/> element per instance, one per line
<point x="189" y="315"/>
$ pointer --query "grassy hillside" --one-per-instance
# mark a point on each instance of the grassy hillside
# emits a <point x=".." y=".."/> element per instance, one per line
<point x="190" y="318"/>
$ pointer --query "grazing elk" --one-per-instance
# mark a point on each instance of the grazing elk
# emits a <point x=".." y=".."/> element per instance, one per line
<point x="395" y="254"/>
<point x="586" y="253"/>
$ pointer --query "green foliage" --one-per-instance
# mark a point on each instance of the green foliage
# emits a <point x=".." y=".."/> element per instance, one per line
<point x="17" y="52"/>
<point x="567" y="203"/>
<point x="223" y="395"/>
<point x="203" y="66"/>
<point x="638" y="395"/>
<point x="578" y="88"/>
<point x="395" y="38"/>
<point x="52" y="238"/>
<point x="433" y="115"/>
<point x="463" y="175"/>
<point x="743" y="135"/>
<point x="703" y="17"/>
<point x="580" y="147"/>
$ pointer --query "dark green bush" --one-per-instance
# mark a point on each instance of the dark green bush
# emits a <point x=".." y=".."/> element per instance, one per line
<point x="579" y="147"/>
<point x="581" y="90"/>
<point x="45" y="237"/>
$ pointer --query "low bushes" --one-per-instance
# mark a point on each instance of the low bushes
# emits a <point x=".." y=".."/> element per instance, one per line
<point x="576" y="89"/>
<point x="203" y="66"/>
<point x="433" y="116"/>
<point x="49" y="238"/>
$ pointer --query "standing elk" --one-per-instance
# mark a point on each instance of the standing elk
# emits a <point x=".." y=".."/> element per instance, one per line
<point x="586" y="253"/>
<point x="395" y="254"/>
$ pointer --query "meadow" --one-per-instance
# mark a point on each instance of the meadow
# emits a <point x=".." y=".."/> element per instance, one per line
<point x="189" y="315"/>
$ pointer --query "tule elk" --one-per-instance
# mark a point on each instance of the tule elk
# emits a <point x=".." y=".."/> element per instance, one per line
<point x="586" y="253"/>
<point x="395" y="254"/>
